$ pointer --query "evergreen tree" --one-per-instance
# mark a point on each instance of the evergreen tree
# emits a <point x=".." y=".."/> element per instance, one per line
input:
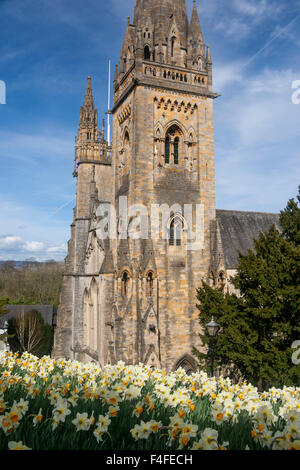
<point x="259" y="327"/>
<point x="290" y="221"/>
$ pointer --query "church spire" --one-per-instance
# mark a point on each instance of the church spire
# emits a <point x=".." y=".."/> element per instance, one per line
<point x="195" y="30"/>
<point x="161" y="14"/>
<point x="88" y="113"/>
<point x="88" y="99"/>
<point x="196" y="47"/>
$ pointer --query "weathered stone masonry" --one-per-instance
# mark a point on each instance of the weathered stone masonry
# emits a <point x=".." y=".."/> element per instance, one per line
<point x="135" y="300"/>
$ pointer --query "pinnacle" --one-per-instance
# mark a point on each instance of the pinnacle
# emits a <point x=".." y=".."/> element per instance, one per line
<point x="195" y="27"/>
<point x="88" y="99"/>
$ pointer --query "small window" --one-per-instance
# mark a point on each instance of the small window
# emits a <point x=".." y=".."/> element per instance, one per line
<point x="150" y="284"/>
<point x="167" y="150"/>
<point x="152" y="329"/>
<point x="172" y="233"/>
<point x="221" y="279"/>
<point x="125" y="282"/>
<point x="146" y="53"/>
<point x="175" y="232"/>
<point x="172" y="47"/>
<point x="176" y="151"/>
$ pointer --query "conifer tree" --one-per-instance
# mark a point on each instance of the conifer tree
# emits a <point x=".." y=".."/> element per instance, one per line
<point x="290" y="220"/>
<point x="259" y="327"/>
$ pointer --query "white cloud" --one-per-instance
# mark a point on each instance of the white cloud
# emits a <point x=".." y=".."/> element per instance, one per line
<point x="12" y="242"/>
<point x="31" y="233"/>
<point x="9" y="240"/>
<point x="262" y="109"/>
<point x="33" y="246"/>
<point x="28" y="147"/>
<point x="226" y="74"/>
<point x="57" y="249"/>
<point x="251" y="8"/>
<point x="257" y="131"/>
<point x="235" y="29"/>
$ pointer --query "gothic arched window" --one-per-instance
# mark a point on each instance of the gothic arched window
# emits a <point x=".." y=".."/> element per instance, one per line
<point x="146" y="53"/>
<point x="187" y="363"/>
<point x="126" y="148"/>
<point x="176" y="150"/>
<point x="221" y="279"/>
<point x="167" y="150"/>
<point x="175" y="232"/>
<point x="173" y="145"/>
<point x="172" y="46"/>
<point x="150" y="284"/>
<point x="126" y="139"/>
<point x="125" y="284"/>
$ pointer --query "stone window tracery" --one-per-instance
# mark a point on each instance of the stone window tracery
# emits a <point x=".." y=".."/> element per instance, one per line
<point x="150" y="284"/>
<point x="125" y="284"/>
<point x="176" y="229"/>
<point x="167" y="150"/>
<point x="176" y="150"/>
<point x="173" y="145"/>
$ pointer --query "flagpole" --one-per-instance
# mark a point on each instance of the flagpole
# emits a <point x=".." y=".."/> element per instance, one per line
<point x="108" y="105"/>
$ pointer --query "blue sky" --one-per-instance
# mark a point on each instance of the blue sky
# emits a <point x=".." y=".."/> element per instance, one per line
<point x="49" y="47"/>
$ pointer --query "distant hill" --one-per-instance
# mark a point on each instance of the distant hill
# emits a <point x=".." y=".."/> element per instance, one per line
<point x="21" y="264"/>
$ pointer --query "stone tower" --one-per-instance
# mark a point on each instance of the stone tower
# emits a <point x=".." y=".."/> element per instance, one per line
<point x="133" y="296"/>
<point x="92" y="169"/>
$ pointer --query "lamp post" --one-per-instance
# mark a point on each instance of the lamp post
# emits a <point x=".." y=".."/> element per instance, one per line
<point x="212" y="330"/>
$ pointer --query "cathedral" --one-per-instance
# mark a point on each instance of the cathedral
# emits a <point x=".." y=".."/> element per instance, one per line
<point x="133" y="298"/>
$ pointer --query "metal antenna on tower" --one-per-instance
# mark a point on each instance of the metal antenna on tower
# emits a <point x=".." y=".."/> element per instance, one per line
<point x="108" y="105"/>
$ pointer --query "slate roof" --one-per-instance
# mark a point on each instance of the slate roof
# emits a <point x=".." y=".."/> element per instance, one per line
<point x="239" y="229"/>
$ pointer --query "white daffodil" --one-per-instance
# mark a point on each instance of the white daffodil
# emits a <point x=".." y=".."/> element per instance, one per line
<point x="82" y="422"/>
<point x="145" y="430"/>
<point x="209" y="439"/>
<point x="61" y="411"/>
<point x="103" y="422"/>
<point x="38" y="418"/>
<point x="136" y="432"/>
<point x="17" y="446"/>
<point x="98" y="433"/>
<point x="22" y="405"/>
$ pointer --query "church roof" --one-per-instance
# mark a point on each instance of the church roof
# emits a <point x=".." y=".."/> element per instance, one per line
<point x="239" y="229"/>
